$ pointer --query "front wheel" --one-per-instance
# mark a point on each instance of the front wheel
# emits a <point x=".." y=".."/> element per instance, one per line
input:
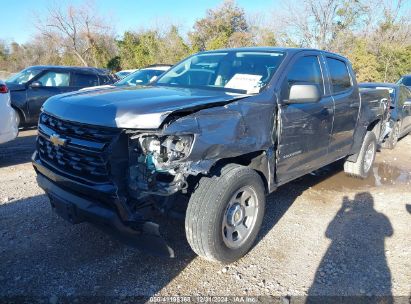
<point x="225" y="213"/>
<point x="365" y="159"/>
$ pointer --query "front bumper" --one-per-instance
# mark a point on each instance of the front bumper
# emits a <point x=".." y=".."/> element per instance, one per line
<point x="77" y="208"/>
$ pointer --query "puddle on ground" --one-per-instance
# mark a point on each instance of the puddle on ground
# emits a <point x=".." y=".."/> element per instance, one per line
<point x="333" y="178"/>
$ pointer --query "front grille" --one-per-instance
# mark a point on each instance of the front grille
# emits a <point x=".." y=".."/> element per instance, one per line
<point x="83" y="152"/>
<point x="93" y="133"/>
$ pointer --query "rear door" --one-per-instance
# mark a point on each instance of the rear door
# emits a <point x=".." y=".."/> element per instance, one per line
<point x="51" y="83"/>
<point x="305" y="129"/>
<point x="347" y="105"/>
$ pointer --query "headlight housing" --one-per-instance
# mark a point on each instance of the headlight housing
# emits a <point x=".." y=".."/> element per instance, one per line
<point x="167" y="148"/>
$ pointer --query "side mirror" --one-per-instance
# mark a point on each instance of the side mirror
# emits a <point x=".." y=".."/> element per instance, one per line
<point x="304" y="93"/>
<point x="36" y="84"/>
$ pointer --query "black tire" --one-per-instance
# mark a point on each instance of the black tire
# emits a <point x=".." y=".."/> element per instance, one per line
<point x="392" y="139"/>
<point x="361" y="168"/>
<point x="209" y="206"/>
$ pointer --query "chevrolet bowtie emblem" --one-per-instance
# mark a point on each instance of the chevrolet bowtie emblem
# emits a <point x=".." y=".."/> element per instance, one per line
<point x="57" y="140"/>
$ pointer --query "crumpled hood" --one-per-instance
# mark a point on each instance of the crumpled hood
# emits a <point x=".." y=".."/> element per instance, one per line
<point x="131" y="107"/>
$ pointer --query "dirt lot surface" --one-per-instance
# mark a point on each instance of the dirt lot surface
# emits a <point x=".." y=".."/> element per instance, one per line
<point x="324" y="234"/>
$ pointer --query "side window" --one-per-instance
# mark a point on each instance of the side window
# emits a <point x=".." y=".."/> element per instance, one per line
<point x="306" y="70"/>
<point x="84" y="80"/>
<point x="55" y="79"/>
<point x="340" y="77"/>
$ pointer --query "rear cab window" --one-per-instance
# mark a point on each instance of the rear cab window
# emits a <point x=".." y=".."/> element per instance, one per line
<point x="339" y="75"/>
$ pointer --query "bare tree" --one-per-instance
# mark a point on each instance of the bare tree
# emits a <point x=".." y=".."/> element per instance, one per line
<point x="76" y="29"/>
<point x="319" y="23"/>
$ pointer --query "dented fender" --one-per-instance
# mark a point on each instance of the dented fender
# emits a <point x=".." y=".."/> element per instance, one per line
<point x="236" y="129"/>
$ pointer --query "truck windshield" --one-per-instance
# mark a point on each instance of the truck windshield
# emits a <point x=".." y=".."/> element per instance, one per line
<point x="240" y="72"/>
<point x="24" y="76"/>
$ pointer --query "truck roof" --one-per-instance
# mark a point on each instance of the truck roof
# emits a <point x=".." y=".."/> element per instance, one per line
<point x="289" y="50"/>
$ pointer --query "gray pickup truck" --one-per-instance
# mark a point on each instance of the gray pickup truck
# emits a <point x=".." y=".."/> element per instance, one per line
<point x="222" y="129"/>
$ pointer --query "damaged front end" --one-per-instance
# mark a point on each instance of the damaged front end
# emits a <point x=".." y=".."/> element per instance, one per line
<point x="107" y="177"/>
<point x="157" y="164"/>
<point x="124" y="176"/>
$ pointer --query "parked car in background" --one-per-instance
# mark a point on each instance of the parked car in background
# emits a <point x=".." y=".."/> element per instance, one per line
<point x="30" y="88"/>
<point x="400" y="114"/>
<point x="215" y="134"/>
<point x="143" y="76"/>
<point x="124" y="73"/>
<point x="140" y="77"/>
<point x="8" y="120"/>
<point x="405" y="80"/>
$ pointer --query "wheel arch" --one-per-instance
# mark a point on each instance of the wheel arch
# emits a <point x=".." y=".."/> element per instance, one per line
<point x="258" y="161"/>
<point x="20" y="112"/>
<point x="359" y="138"/>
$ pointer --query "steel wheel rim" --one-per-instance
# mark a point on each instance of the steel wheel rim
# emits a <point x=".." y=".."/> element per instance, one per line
<point x="240" y="217"/>
<point x="369" y="157"/>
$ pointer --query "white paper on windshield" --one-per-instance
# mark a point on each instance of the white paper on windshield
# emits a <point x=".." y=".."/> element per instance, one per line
<point x="247" y="82"/>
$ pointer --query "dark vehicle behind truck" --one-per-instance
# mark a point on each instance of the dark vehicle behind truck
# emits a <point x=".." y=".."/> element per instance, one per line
<point x="221" y="129"/>
<point x="405" y="80"/>
<point x="400" y="110"/>
<point x="30" y="88"/>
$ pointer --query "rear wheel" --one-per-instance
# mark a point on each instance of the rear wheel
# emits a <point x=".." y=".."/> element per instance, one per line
<point x="225" y="213"/>
<point x="392" y="139"/>
<point x="366" y="157"/>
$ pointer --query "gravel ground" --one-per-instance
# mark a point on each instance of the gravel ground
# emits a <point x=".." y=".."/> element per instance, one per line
<point x="323" y="234"/>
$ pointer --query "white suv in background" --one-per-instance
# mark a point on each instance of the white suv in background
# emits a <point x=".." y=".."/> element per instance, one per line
<point x="8" y="120"/>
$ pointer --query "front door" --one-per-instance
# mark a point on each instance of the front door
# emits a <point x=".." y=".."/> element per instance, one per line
<point x="305" y="129"/>
<point x="51" y="83"/>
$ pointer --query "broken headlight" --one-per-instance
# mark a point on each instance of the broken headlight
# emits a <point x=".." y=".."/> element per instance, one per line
<point x="167" y="148"/>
